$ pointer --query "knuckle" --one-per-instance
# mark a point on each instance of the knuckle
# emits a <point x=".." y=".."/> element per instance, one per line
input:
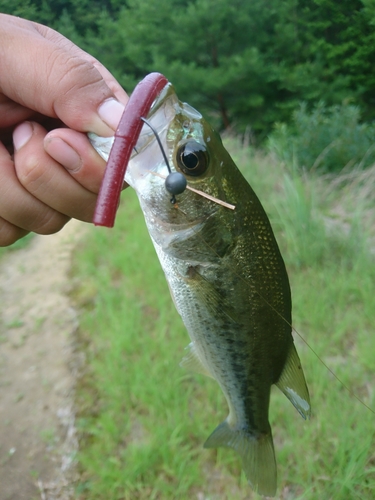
<point x="49" y="222"/>
<point x="80" y="82"/>
<point x="78" y="78"/>
<point x="30" y="172"/>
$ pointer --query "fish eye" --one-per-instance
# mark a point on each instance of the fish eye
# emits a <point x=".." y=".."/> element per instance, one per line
<point x="192" y="158"/>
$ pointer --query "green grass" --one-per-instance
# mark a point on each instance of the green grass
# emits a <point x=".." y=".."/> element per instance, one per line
<point x="142" y="419"/>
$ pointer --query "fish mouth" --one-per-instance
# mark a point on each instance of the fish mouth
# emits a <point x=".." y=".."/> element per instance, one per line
<point x="146" y="157"/>
<point x="161" y="113"/>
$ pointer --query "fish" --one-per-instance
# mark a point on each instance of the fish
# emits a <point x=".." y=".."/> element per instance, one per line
<point x="226" y="276"/>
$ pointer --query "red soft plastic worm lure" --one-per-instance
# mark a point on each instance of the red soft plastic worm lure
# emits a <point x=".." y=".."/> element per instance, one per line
<point x="126" y="137"/>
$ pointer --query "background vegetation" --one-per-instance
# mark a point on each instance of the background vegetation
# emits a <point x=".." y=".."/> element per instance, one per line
<point x="296" y="77"/>
<point x="245" y="64"/>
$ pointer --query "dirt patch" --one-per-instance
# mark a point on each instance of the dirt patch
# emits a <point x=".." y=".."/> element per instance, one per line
<point x="38" y="368"/>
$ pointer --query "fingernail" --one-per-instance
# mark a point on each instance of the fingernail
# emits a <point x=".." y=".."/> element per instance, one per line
<point x="63" y="153"/>
<point x="22" y="134"/>
<point x="110" y="111"/>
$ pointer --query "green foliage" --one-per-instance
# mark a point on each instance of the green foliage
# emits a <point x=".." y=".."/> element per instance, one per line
<point x="340" y="39"/>
<point x="75" y="19"/>
<point x="21" y="8"/>
<point x="241" y="64"/>
<point x="143" y="420"/>
<point x="205" y="48"/>
<point x="237" y="62"/>
<point x="325" y="139"/>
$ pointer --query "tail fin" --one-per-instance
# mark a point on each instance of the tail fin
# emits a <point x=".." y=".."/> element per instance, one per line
<point x="257" y="454"/>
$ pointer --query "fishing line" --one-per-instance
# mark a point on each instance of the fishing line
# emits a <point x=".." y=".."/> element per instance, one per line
<point x="349" y="391"/>
<point x="159" y="142"/>
<point x="175" y="183"/>
<point x="215" y="200"/>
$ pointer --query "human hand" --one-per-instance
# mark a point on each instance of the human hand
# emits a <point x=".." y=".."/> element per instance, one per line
<point x="51" y="93"/>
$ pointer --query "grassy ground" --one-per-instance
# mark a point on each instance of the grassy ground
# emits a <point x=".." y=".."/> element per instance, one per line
<point x="143" y="420"/>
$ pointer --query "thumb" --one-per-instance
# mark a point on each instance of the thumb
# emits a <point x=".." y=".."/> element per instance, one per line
<point x="45" y="72"/>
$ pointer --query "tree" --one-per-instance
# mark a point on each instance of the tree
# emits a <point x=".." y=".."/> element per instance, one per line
<point x="218" y="54"/>
<point x="242" y="63"/>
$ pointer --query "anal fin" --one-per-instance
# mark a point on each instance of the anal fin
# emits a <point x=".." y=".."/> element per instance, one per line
<point x="292" y="383"/>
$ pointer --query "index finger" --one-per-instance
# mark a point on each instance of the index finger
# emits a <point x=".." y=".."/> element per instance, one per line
<point x="110" y="80"/>
<point x="62" y="80"/>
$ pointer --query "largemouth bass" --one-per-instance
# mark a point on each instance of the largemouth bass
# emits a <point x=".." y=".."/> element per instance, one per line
<point x="226" y="276"/>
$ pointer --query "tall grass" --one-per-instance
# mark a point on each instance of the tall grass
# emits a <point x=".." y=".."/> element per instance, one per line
<point x="325" y="139"/>
<point x="143" y="420"/>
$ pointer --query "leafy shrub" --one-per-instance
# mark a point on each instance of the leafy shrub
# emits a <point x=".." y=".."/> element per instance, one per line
<point x="327" y="139"/>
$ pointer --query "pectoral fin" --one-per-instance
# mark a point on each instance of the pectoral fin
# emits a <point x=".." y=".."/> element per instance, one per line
<point x="211" y="298"/>
<point x="193" y="362"/>
<point x="292" y="383"/>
